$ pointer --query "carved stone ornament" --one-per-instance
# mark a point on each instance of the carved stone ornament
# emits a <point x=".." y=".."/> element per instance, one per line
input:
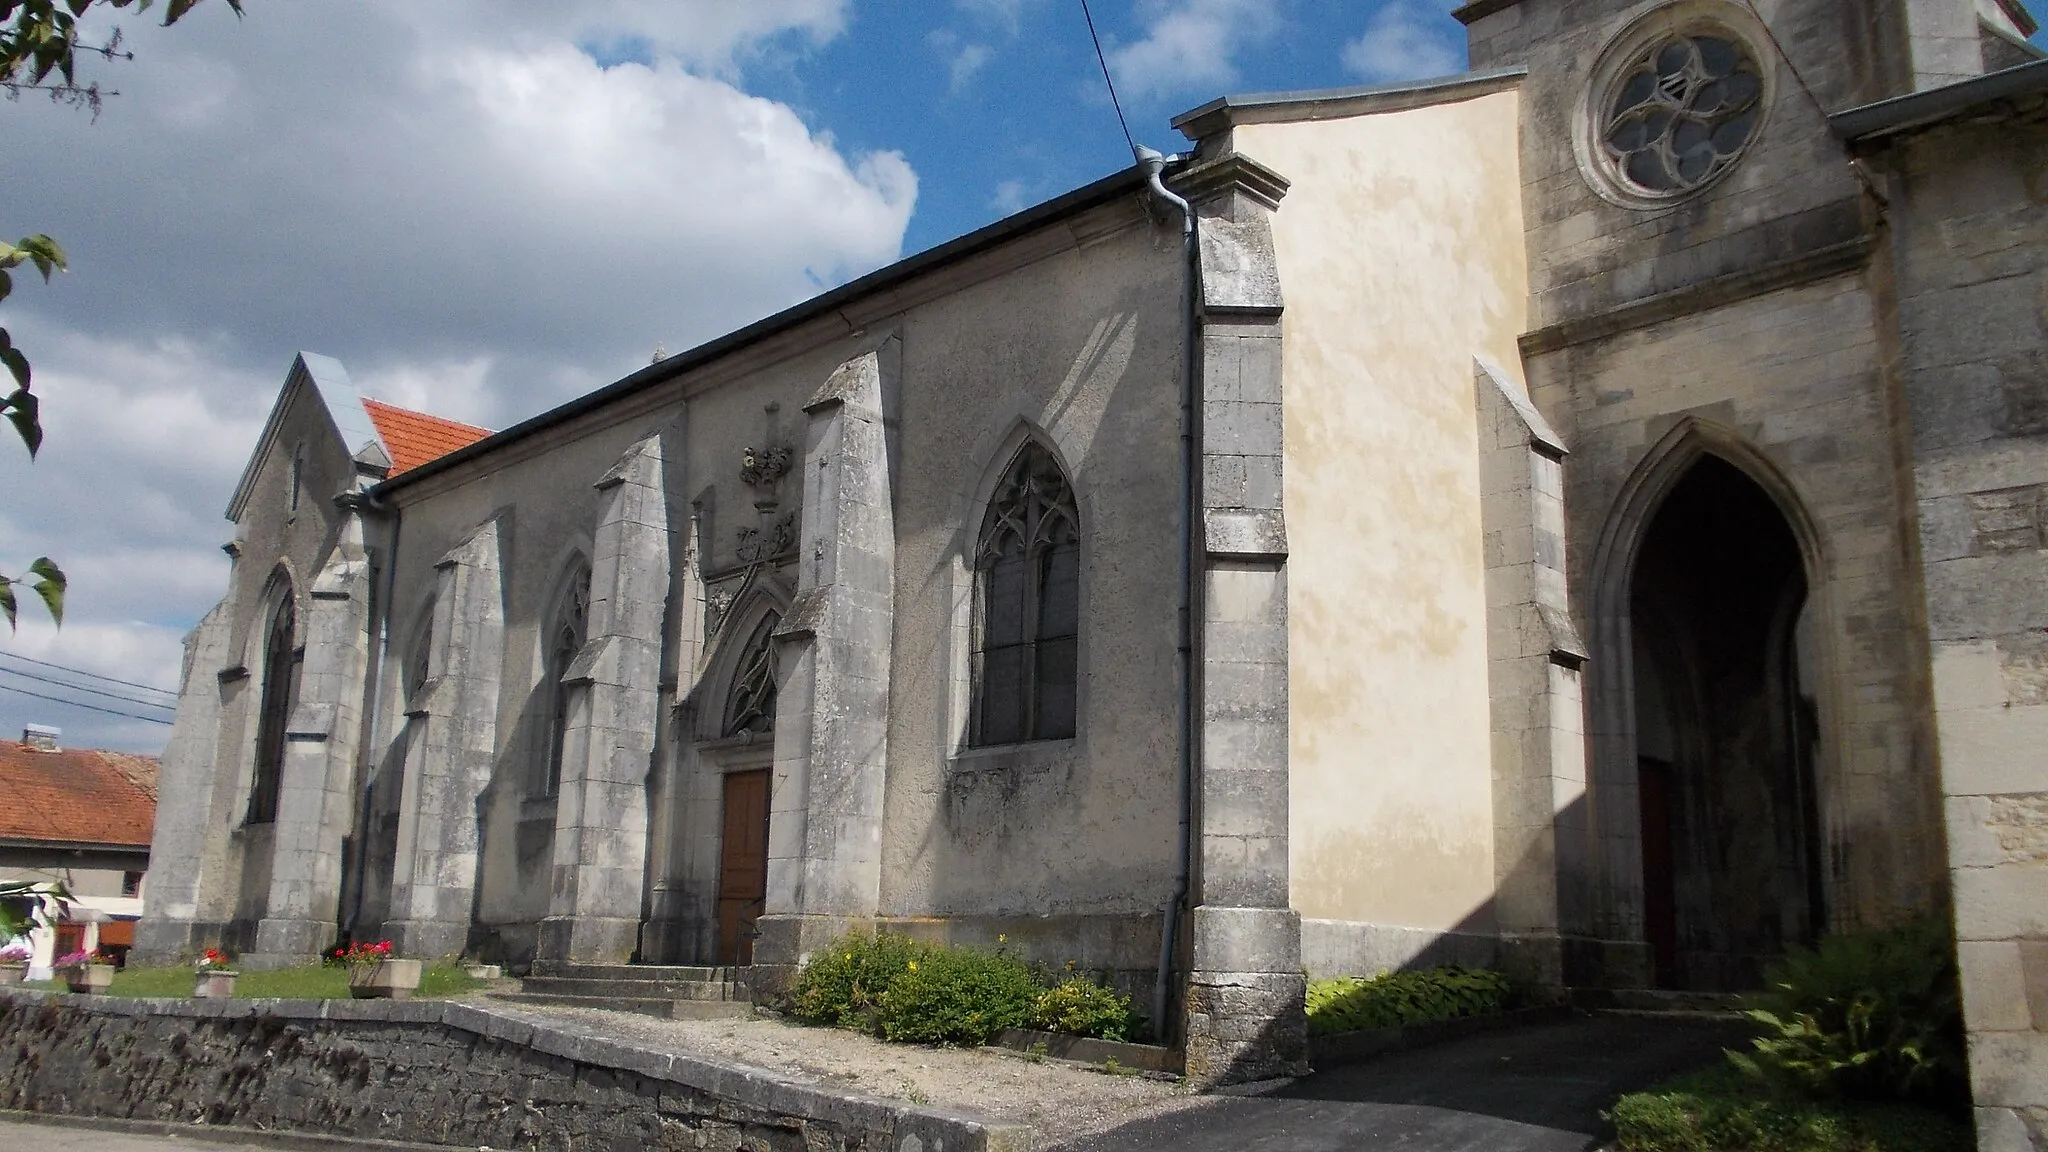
<point x="762" y="469"/>
<point x="757" y="544"/>
<point x="717" y="602"/>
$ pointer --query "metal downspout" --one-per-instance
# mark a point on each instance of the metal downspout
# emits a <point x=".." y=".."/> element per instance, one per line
<point x="1154" y="165"/>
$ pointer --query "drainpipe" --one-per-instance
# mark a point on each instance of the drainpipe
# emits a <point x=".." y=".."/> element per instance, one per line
<point x="373" y="715"/>
<point x="1154" y="165"/>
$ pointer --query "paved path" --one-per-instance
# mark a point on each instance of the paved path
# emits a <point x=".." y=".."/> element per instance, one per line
<point x="1532" y="1089"/>
<point x="51" y="1137"/>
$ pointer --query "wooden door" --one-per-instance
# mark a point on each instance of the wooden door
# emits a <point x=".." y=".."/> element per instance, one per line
<point x="1660" y="911"/>
<point x="742" y="865"/>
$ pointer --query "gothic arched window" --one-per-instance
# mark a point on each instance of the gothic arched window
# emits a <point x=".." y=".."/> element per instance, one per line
<point x="564" y="639"/>
<point x="1027" y="564"/>
<point x="751" y="705"/>
<point x="280" y="692"/>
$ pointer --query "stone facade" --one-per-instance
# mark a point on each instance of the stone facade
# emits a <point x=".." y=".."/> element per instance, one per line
<point x="1607" y="571"/>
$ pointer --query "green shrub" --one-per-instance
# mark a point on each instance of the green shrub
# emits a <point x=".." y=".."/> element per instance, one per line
<point x="844" y="984"/>
<point x="1724" y="1111"/>
<point x="1395" y="999"/>
<point x="1081" y="1007"/>
<point x="957" y="996"/>
<point x="1873" y="1016"/>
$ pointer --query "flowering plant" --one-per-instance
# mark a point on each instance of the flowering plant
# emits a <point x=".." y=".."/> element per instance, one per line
<point x="82" y="957"/>
<point x="212" y="960"/>
<point x="365" y="955"/>
<point x="15" y="954"/>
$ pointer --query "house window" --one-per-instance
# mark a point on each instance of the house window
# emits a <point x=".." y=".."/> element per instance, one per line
<point x="565" y="635"/>
<point x="1027" y="565"/>
<point x="281" y="656"/>
<point x="751" y="706"/>
<point x="131" y="883"/>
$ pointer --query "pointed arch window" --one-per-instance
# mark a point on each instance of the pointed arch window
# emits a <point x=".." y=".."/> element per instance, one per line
<point x="281" y="657"/>
<point x="567" y="628"/>
<point x="1027" y="585"/>
<point x="750" y="707"/>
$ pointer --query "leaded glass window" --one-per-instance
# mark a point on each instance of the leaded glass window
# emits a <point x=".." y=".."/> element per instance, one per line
<point x="751" y="706"/>
<point x="281" y="657"/>
<point x="1027" y="606"/>
<point x="1681" y="113"/>
<point x="565" y="635"/>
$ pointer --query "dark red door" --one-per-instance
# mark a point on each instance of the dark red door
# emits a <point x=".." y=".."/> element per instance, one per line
<point x="1660" y="911"/>
<point x="743" y="865"/>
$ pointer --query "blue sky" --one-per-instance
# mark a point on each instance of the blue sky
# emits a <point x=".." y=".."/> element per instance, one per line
<point x="1000" y="104"/>
<point x="485" y="208"/>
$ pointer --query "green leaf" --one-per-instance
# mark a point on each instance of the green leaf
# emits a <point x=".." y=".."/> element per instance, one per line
<point x="49" y="586"/>
<point x="7" y="601"/>
<point x="23" y="411"/>
<point x="15" y="361"/>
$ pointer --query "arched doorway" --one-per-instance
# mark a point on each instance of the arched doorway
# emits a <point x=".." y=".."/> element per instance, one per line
<point x="1726" y="732"/>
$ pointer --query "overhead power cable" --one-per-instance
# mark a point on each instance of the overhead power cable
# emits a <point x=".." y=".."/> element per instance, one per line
<point x="87" y="707"/>
<point x="87" y="675"/>
<point x="85" y="688"/>
<point x="1104" y="61"/>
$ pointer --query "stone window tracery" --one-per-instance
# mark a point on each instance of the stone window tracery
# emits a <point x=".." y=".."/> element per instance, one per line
<point x="750" y="707"/>
<point x="1027" y="564"/>
<point x="1674" y="102"/>
<point x="281" y="656"/>
<point x="567" y="628"/>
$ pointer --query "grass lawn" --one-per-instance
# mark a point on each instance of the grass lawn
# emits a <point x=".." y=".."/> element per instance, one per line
<point x="310" y="982"/>
<point x="1721" y="1110"/>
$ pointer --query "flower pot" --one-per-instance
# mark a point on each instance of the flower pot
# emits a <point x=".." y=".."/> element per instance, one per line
<point x="215" y="984"/>
<point x="385" y="979"/>
<point x="89" y="979"/>
<point x="13" y="971"/>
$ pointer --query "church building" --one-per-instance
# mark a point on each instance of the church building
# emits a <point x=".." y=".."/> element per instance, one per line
<point x="1587" y="516"/>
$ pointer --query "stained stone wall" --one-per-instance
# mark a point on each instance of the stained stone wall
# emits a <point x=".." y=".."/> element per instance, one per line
<point x="430" y="1072"/>
<point x="1969" y="248"/>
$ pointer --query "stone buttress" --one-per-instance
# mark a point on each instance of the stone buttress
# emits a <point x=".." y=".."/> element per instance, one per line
<point x="831" y="734"/>
<point x="608" y="748"/>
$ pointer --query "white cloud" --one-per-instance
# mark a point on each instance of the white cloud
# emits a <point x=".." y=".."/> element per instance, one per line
<point x="963" y="60"/>
<point x="1407" y="40"/>
<point x="1005" y="14"/>
<point x="1191" y="44"/>
<point x="1009" y="197"/>
<point x="454" y="199"/>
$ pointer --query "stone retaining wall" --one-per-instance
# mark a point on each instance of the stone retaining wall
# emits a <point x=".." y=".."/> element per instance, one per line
<point x="431" y="1072"/>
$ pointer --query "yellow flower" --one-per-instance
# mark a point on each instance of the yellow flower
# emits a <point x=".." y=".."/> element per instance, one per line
<point x="1002" y="939"/>
<point x="913" y="965"/>
<point x="849" y="955"/>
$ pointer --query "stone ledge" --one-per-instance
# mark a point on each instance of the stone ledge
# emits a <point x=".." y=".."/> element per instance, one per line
<point x="906" y="1126"/>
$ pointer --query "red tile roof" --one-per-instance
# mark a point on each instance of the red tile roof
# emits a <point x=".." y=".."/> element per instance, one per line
<point x="77" y="796"/>
<point x="415" y="437"/>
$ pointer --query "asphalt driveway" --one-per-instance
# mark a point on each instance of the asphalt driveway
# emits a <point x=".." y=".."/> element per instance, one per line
<point x="1533" y="1089"/>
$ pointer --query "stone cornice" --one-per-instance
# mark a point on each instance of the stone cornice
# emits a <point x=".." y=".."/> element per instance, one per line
<point x="1641" y="313"/>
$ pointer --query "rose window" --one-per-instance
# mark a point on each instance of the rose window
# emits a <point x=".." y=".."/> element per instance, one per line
<point x="1681" y="113"/>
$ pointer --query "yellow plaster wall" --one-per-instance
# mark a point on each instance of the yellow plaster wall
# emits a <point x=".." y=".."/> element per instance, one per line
<point x="1400" y="250"/>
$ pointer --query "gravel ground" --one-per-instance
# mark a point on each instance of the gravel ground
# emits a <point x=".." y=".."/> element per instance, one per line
<point x="1062" y="1101"/>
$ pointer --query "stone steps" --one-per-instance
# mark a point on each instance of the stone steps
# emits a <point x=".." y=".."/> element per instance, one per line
<point x="667" y="989"/>
<point x="662" y="1007"/>
<point x="671" y="991"/>
<point x="640" y="972"/>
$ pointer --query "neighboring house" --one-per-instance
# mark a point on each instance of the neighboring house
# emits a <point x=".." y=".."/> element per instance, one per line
<point x="82" y="818"/>
<point x="1605" y="490"/>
